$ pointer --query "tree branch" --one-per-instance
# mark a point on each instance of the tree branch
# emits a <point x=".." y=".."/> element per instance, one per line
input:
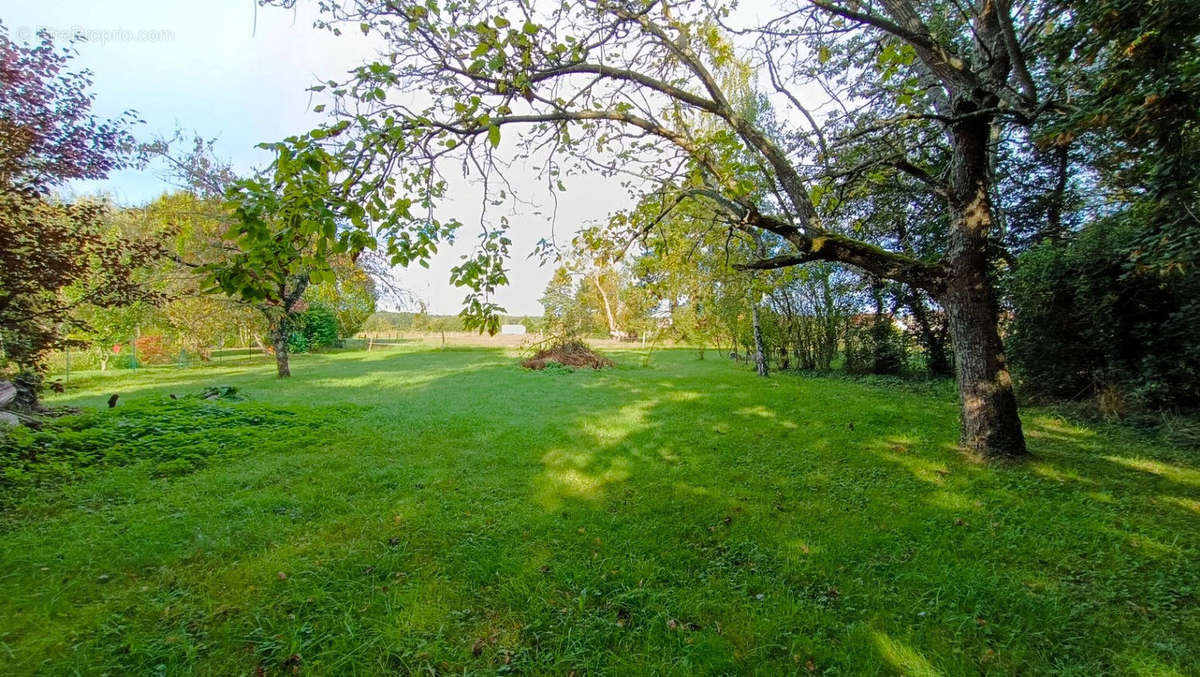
<point x="628" y="76"/>
<point x="906" y="25"/>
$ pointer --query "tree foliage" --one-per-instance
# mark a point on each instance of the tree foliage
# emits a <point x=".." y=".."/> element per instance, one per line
<point x="56" y="256"/>
<point x="1084" y="327"/>
<point x="350" y="295"/>
<point x="1133" y="70"/>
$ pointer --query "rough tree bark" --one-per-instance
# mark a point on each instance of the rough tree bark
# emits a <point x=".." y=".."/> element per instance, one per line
<point x="279" y="341"/>
<point x="279" y="319"/>
<point x="991" y="426"/>
<point x="990" y="423"/>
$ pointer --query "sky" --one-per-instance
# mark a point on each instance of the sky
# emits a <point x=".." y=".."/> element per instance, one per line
<point x="231" y="71"/>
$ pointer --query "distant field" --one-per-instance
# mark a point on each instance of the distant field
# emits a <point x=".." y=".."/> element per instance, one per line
<point x="412" y="510"/>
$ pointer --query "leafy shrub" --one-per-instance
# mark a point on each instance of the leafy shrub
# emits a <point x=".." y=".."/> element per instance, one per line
<point x="874" y="348"/>
<point x="297" y="342"/>
<point x="314" y="329"/>
<point x="556" y="368"/>
<point x="151" y="349"/>
<point x="1088" y="324"/>
<point x="889" y="355"/>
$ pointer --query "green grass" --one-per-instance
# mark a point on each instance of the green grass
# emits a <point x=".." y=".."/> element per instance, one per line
<point x="448" y="512"/>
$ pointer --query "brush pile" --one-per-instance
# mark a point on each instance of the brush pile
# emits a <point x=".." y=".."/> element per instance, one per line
<point x="573" y="353"/>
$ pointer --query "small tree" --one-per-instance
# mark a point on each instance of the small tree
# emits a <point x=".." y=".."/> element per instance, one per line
<point x="109" y="327"/>
<point x="313" y="328"/>
<point x="441" y="325"/>
<point x="420" y="319"/>
<point x="286" y="228"/>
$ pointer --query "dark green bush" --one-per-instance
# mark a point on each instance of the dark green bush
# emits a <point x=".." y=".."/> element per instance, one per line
<point x="1089" y="324"/>
<point x="321" y="327"/>
<point x="297" y="342"/>
<point x="314" y="329"/>
<point x="875" y="348"/>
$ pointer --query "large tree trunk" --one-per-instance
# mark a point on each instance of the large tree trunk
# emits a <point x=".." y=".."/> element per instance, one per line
<point x="279" y="319"/>
<point x="990" y="423"/>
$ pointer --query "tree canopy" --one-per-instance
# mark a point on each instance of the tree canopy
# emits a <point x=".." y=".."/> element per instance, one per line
<point x="56" y="257"/>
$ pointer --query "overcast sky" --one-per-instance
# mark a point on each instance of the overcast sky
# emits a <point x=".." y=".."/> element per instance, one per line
<point x="226" y="70"/>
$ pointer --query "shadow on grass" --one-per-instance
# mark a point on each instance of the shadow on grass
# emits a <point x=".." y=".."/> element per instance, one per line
<point x="696" y="470"/>
<point x="680" y="518"/>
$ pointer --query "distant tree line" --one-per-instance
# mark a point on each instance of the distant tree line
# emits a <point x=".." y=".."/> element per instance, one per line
<point x="421" y="320"/>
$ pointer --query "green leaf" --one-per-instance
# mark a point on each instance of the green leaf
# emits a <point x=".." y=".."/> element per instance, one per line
<point x="494" y="135"/>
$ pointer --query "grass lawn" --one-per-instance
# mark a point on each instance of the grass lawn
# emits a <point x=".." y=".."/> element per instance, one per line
<point x="429" y="511"/>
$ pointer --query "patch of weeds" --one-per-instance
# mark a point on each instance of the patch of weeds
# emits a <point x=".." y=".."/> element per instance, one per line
<point x="556" y="368"/>
<point x="1177" y="431"/>
<point x="173" y="436"/>
<point x="1182" y="432"/>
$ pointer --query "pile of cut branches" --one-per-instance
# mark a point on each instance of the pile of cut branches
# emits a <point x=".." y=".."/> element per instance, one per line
<point x="572" y="353"/>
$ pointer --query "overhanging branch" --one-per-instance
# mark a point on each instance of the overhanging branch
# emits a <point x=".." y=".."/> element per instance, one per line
<point x="786" y="261"/>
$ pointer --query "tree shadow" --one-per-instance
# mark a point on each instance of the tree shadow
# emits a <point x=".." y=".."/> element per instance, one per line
<point x="685" y="514"/>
